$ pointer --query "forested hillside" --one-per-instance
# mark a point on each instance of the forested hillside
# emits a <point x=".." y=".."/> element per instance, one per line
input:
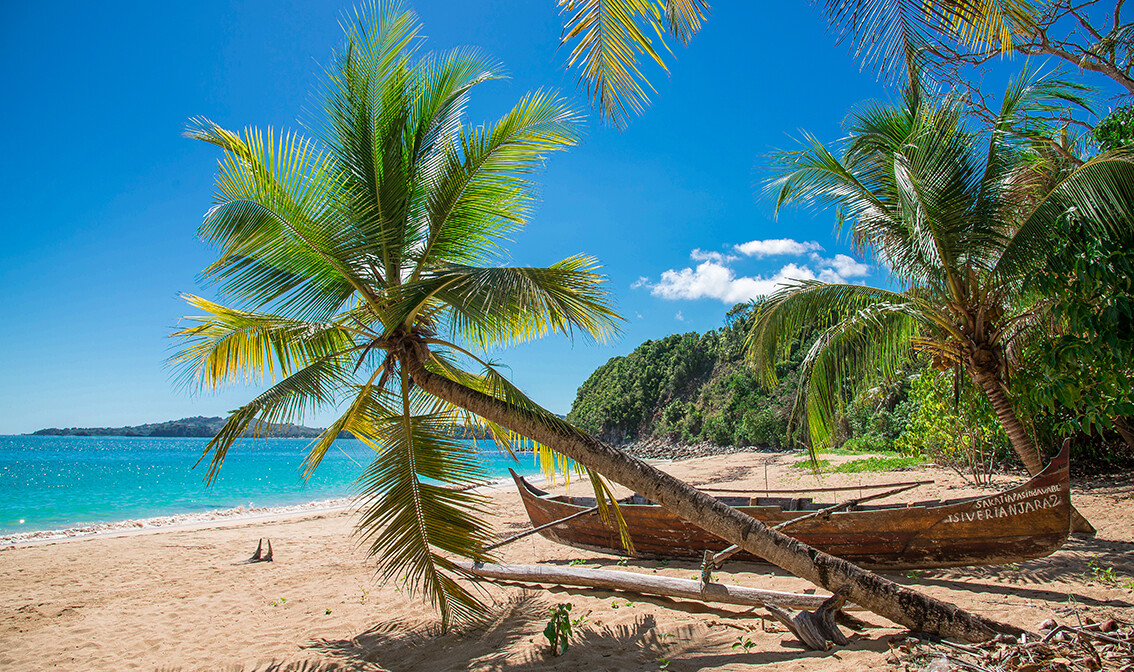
<point x="691" y="388"/>
<point x="697" y="388"/>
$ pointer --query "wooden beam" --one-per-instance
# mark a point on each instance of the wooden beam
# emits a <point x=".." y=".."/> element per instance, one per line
<point x="842" y="488"/>
<point x="644" y="584"/>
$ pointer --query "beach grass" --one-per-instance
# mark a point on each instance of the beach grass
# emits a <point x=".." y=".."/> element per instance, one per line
<point x="874" y="463"/>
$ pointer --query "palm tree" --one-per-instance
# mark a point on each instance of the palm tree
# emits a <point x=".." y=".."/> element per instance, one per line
<point x="961" y="218"/>
<point x="362" y="269"/>
<point x="387" y="232"/>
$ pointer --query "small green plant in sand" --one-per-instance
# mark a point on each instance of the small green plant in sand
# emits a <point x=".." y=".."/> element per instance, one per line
<point x="328" y="611"/>
<point x="663" y="664"/>
<point x="558" y="630"/>
<point x="578" y="561"/>
<point x="914" y="575"/>
<point x="280" y="602"/>
<point x="1103" y="575"/>
<point x="623" y="562"/>
<point x="577" y="623"/>
<point x="744" y="643"/>
<point x="616" y="604"/>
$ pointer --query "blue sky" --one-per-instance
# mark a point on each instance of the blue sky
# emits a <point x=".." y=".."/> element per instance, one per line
<point x="103" y="196"/>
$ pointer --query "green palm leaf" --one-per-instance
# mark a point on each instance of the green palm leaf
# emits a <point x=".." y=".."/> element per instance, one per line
<point x="407" y="510"/>
<point x="229" y="345"/>
<point x="612" y="35"/>
<point x="494" y="307"/>
<point x="881" y="32"/>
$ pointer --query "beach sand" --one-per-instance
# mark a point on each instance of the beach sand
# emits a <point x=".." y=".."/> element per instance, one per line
<point x="182" y="599"/>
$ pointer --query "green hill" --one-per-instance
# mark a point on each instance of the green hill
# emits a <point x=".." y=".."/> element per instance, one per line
<point x="689" y="388"/>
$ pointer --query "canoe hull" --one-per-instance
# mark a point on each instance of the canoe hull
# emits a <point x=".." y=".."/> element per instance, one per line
<point x="1029" y="521"/>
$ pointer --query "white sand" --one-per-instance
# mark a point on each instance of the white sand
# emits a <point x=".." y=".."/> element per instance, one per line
<point x="181" y="598"/>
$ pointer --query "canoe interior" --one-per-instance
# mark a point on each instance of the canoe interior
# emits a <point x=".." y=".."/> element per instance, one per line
<point x="1029" y="521"/>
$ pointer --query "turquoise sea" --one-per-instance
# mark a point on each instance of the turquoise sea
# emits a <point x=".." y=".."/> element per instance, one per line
<point x="59" y="482"/>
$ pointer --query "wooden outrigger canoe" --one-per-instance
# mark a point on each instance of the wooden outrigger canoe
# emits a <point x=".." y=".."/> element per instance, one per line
<point x="1031" y="520"/>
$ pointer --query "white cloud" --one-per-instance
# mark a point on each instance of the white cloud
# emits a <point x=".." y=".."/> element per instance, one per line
<point x="702" y="255"/>
<point x="830" y="275"/>
<point x="714" y="281"/>
<point x="679" y="317"/>
<point x="846" y="266"/>
<point x="714" y="277"/>
<point x="776" y="246"/>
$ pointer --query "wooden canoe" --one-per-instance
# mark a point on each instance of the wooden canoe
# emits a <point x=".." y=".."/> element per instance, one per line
<point x="1028" y="521"/>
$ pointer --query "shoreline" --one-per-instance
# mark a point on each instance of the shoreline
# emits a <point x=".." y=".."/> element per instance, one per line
<point x="176" y="521"/>
<point x="185" y="596"/>
<point x="200" y="520"/>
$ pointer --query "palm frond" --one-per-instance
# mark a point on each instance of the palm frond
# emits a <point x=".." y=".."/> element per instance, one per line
<point x="364" y="405"/>
<point x="881" y="32"/>
<point x="368" y="131"/>
<point x="228" y="345"/>
<point x="868" y="344"/>
<point x="279" y="240"/>
<point x="477" y="190"/>
<point x="612" y="35"/>
<point x="315" y="386"/>
<point x="1100" y="194"/>
<point x="412" y="514"/>
<point x="496" y="307"/>
<point x="803" y="305"/>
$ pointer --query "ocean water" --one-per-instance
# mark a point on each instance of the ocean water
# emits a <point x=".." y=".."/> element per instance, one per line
<point x="59" y="482"/>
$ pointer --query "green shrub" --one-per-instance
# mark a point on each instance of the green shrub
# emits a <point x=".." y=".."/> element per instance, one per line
<point x="716" y="430"/>
<point x="1116" y="130"/>
<point x="961" y="433"/>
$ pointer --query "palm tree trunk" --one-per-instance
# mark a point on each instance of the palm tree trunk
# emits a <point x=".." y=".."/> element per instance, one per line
<point x="881" y="596"/>
<point x="1124" y="430"/>
<point x="1018" y="436"/>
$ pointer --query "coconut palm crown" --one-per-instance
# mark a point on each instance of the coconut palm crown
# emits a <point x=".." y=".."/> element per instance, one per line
<point x="380" y="238"/>
<point x="960" y="216"/>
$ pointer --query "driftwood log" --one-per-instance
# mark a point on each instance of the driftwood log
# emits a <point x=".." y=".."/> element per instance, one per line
<point x="259" y="555"/>
<point x="644" y="584"/>
<point x="816" y="628"/>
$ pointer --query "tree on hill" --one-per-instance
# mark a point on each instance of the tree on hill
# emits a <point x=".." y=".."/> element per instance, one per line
<point x="963" y="219"/>
<point x="690" y="388"/>
<point x="362" y="267"/>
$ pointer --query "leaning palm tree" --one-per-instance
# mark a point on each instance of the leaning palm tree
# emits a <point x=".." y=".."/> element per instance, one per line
<point x="387" y="231"/>
<point x="362" y="266"/>
<point x="961" y="218"/>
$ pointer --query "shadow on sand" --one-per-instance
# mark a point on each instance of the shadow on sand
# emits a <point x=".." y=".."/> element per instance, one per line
<point x="512" y="640"/>
<point x="1079" y="562"/>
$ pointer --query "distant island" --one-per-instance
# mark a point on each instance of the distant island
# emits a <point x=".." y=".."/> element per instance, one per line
<point x="200" y="426"/>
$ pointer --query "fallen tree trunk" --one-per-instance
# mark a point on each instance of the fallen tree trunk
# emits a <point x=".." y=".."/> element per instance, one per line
<point x="644" y="584"/>
<point x="886" y="598"/>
